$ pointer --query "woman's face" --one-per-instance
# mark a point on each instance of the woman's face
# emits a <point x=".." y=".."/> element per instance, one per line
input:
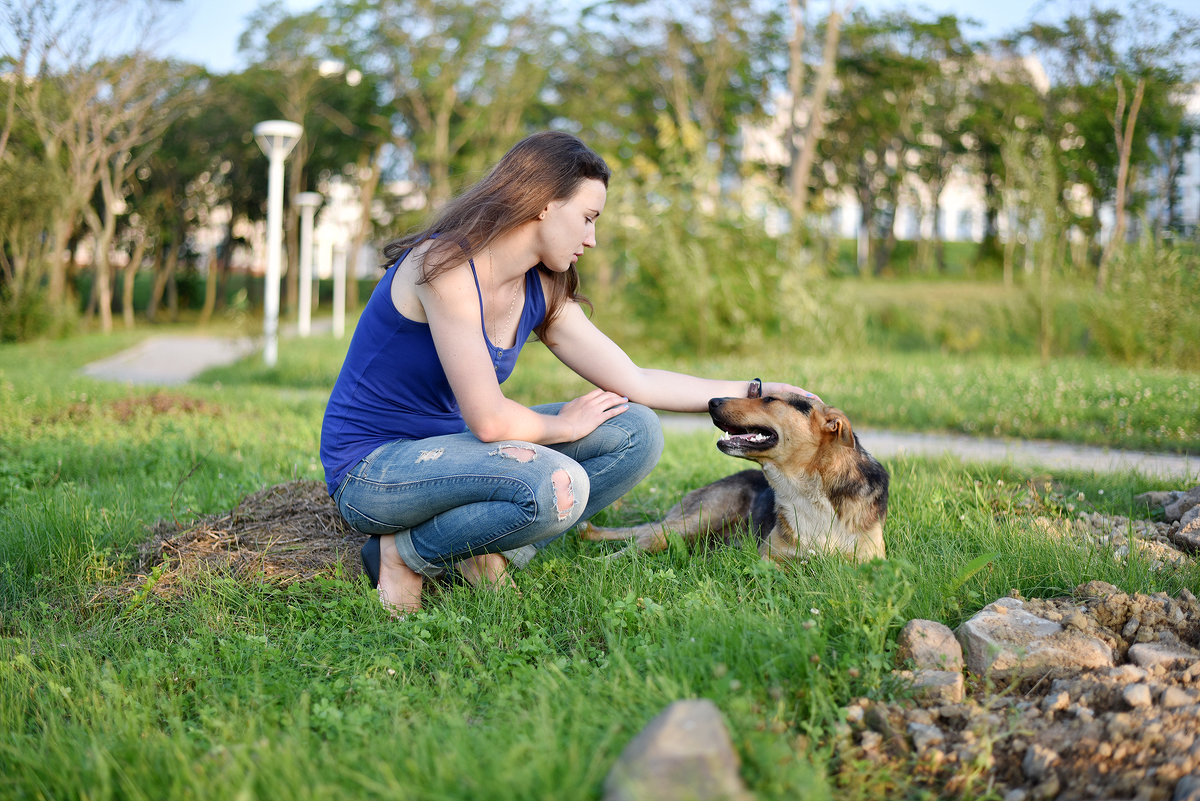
<point x="569" y="226"/>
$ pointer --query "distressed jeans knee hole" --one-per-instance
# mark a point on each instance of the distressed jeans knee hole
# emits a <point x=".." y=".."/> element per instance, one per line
<point x="564" y="494"/>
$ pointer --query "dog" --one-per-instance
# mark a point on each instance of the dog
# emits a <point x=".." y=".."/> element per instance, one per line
<point x="818" y="489"/>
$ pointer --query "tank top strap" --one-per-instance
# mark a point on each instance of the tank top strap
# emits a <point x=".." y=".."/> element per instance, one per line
<point x="479" y="294"/>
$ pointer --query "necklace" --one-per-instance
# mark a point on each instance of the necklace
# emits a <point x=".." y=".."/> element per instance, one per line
<point x="496" y="331"/>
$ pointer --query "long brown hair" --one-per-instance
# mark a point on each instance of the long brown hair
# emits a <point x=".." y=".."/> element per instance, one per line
<point x="541" y="168"/>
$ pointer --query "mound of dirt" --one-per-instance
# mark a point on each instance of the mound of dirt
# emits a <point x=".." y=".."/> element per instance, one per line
<point x="289" y="532"/>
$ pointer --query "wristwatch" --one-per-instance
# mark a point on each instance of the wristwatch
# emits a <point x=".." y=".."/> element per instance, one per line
<point x="755" y="390"/>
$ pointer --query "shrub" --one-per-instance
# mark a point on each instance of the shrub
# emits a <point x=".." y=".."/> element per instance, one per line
<point x="1147" y="315"/>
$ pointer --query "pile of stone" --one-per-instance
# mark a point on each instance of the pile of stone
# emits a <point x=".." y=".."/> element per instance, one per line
<point x="1181" y="513"/>
<point x="1092" y="696"/>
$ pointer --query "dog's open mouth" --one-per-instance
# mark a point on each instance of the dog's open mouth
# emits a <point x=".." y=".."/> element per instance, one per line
<point x="747" y="439"/>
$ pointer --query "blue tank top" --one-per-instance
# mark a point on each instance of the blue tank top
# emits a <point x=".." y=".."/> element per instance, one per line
<point x="392" y="385"/>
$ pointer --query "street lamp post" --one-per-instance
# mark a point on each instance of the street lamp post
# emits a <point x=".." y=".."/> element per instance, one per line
<point x="276" y="138"/>
<point x="308" y="202"/>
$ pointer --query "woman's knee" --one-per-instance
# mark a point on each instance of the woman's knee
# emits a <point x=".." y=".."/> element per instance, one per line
<point x="571" y="487"/>
<point x="645" y="429"/>
<point x="567" y="488"/>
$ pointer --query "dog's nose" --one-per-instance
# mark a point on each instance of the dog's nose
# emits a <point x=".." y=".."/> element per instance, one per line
<point x="716" y="403"/>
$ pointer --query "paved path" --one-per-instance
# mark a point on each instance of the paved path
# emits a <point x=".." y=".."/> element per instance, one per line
<point x="169" y="360"/>
<point x="884" y="444"/>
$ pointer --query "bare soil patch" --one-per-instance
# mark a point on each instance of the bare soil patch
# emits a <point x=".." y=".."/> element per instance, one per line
<point x="125" y="409"/>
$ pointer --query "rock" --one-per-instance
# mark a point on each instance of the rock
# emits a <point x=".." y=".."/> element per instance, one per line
<point x="1173" y="697"/>
<point x="935" y="687"/>
<point x="1037" y="762"/>
<point x="1096" y="589"/>
<point x="1156" y="499"/>
<point x="684" y="753"/>
<point x="1187" y="538"/>
<point x="925" y="736"/>
<point x="1153" y="654"/>
<point x="1005" y="640"/>
<point x="1137" y="696"/>
<point x="1175" y="510"/>
<point x="1187" y="789"/>
<point x="1190" y="515"/>
<point x="929" y="644"/>
<point x="1056" y="702"/>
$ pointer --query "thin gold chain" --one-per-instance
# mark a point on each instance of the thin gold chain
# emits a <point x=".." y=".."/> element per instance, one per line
<point x="512" y="304"/>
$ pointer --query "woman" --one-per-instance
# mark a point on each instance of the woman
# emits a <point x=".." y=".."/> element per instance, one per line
<point x="421" y="448"/>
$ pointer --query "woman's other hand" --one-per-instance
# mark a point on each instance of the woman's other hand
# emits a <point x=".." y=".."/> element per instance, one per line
<point x="587" y="412"/>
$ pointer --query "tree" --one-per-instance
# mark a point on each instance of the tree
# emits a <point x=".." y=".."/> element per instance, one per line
<point x="1107" y="70"/>
<point x="945" y="106"/>
<point x="459" y="75"/>
<point x="132" y="108"/>
<point x="882" y="73"/>
<point x="60" y="83"/>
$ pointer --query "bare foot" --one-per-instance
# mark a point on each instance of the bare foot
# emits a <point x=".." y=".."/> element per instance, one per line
<point x="488" y="570"/>
<point x="399" y="586"/>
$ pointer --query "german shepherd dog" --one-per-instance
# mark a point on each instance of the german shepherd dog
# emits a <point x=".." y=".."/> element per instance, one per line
<point x="818" y="489"/>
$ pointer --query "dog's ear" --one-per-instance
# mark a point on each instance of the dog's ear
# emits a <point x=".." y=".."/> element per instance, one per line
<point x="837" y="425"/>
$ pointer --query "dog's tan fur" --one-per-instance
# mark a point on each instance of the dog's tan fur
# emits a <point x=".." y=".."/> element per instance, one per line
<point x="818" y="489"/>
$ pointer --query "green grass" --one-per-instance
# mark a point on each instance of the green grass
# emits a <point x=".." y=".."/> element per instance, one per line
<point x="243" y="690"/>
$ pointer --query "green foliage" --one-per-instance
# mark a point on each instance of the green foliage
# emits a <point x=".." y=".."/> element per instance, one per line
<point x="1148" y="315"/>
<point x="30" y="315"/>
<point x="704" y="285"/>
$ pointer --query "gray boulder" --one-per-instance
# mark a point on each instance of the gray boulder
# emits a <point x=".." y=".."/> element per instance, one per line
<point x="1175" y="510"/>
<point x="1005" y="640"/>
<point x="929" y="645"/>
<point x="684" y="754"/>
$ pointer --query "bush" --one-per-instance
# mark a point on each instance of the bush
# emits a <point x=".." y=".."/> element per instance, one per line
<point x="31" y="315"/>
<point x="1147" y="315"/>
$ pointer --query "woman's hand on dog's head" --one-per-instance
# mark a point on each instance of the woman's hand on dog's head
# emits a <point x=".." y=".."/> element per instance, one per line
<point x="775" y="388"/>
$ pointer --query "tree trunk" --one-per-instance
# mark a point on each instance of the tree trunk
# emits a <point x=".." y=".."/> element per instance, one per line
<point x="164" y="265"/>
<point x="130" y="276"/>
<point x="887" y="240"/>
<point x="210" y="286"/>
<point x="1124" y="141"/>
<point x="866" y="203"/>
<point x="366" y="196"/>
<point x="803" y="164"/>
<point x="939" y="244"/>
<point x="56" y="291"/>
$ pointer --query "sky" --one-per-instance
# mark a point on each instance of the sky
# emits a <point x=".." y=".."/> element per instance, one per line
<point x="209" y="29"/>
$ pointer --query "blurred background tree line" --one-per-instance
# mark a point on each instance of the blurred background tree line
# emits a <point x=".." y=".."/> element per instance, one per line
<point x="112" y="159"/>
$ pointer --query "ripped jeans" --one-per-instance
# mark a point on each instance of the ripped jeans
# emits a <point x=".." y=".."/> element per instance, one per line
<point x="449" y="497"/>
